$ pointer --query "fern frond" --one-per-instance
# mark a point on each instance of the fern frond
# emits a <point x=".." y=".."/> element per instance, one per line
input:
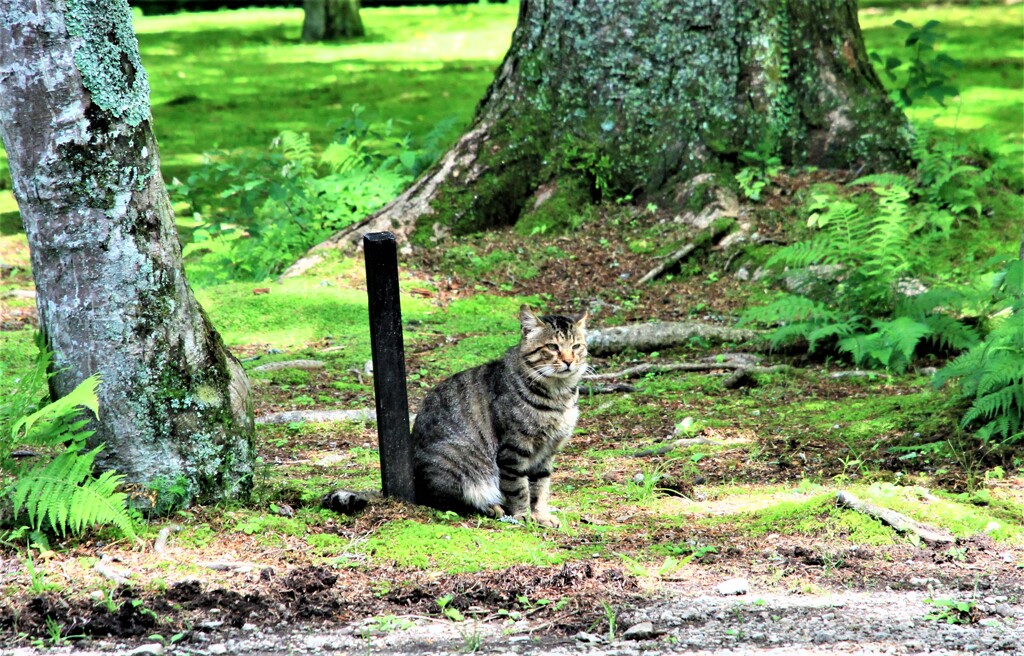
<point x="949" y="333"/>
<point x="884" y="180"/>
<point x="64" y="494"/>
<point x="83" y="396"/>
<point x="297" y="148"/>
<point x="343" y="157"/>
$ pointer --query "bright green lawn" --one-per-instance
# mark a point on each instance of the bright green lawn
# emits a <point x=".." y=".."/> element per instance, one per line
<point x="990" y="43"/>
<point x="235" y="79"/>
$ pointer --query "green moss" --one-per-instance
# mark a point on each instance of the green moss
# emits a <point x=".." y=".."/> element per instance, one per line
<point x="565" y="210"/>
<point x="950" y="512"/>
<point x="328" y="544"/>
<point x="817" y="516"/>
<point x="454" y="548"/>
<point x="108" y="58"/>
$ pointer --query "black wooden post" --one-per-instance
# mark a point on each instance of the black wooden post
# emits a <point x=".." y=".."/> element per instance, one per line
<point x="388" y="351"/>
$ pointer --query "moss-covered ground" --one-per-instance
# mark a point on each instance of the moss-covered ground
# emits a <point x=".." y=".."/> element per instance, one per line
<point x="679" y="478"/>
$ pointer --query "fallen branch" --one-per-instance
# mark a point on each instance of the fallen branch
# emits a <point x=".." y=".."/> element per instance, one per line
<point x="644" y="369"/>
<point x="606" y="389"/>
<point x="116" y="575"/>
<point x="318" y="416"/>
<point x="898" y="521"/>
<point x="661" y="334"/>
<point x="709" y="237"/>
<point x="229" y="566"/>
<point x="160" y="546"/>
<point x="308" y="365"/>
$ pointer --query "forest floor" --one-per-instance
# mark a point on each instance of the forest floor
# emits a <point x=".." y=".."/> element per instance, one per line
<point x="668" y="490"/>
<point x="670" y="487"/>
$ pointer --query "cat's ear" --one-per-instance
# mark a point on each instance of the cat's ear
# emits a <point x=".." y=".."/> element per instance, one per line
<point x="581" y="319"/>
<point x="528" y="319"/>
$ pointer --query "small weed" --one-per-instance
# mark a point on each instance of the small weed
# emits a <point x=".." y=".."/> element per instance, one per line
<point x="952" y="611"/>
<point x="472" y="638"/>
<point x="37" y="577"/>
<point x="449" y="611"/>
<point x="611" y="615"/>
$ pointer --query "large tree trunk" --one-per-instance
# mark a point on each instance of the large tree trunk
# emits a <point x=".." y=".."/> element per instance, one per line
<point x="328" y="20"/>
<point x="633" y="96"/>
<point x="113" y="299"/>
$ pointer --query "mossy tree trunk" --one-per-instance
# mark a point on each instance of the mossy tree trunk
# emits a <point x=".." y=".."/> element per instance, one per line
<point x="328" y="20"/>
<point x="633" y="96"/>
<point x="112" y="296"/>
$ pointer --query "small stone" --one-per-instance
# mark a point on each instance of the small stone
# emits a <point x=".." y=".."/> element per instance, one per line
<point x="919" y="583"/>
<point x="641" y="631"/>
<point x="588" y="638"/>
<point x="209" y="625"/>
<point x="733" y="587"/>
<point x="149" y="649"/>
<point x="992" y="527"/>
<point x="217" y="649"/>
<point x="638" y="478"/>
<point x="691" y="615"/>
<point x="1005" y="610"/>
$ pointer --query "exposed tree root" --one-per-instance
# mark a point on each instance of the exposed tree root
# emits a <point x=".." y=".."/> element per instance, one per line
<point x="318" y="416"/>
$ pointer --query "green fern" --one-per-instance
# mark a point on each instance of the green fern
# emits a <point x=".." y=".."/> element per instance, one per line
<point x="945" y="177"/>
<point x="851" y="278"/>
<point x="256" y="214"/>
<point x="65" y="495"/>
<point x="58" y="493"/>
<point x="991" y="374"/>
<point x="297" y="148"/>
<point x="891" y="345"/>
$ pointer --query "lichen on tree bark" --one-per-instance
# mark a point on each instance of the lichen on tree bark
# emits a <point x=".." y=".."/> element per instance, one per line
<point x="112" y="295"/>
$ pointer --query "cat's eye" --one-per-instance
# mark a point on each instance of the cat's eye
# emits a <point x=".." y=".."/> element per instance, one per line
<point x="577" y="347"/>
<point x="553" y="347"/>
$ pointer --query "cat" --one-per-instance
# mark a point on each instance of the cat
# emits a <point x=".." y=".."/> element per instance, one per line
<point x="484" y="439"/>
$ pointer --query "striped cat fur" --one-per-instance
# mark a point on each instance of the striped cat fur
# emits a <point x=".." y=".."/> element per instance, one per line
<point x="485" y="438"/>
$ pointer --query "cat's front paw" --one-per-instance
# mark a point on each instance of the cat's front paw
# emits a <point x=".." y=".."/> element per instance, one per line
<point x="495" y="512"/>
<point x="546" y="519"/>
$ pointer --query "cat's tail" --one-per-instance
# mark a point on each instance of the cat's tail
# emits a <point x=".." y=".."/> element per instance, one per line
<point x="464" y="496"/>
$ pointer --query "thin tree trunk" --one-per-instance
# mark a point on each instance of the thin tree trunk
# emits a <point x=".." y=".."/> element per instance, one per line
<point x="636" y="96"/>
<point x="112" y="296"/>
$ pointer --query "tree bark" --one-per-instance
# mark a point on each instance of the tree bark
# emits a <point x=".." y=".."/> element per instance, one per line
<point x="328" y="20"/>
<point x="634" y="96"/>
<point x="112" y="296"/>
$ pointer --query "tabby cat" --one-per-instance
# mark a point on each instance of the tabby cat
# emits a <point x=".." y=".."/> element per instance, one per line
<point x="484" y="439"/>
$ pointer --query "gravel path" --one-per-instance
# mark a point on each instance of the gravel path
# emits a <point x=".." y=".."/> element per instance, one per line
<point x="884" y="622"/>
